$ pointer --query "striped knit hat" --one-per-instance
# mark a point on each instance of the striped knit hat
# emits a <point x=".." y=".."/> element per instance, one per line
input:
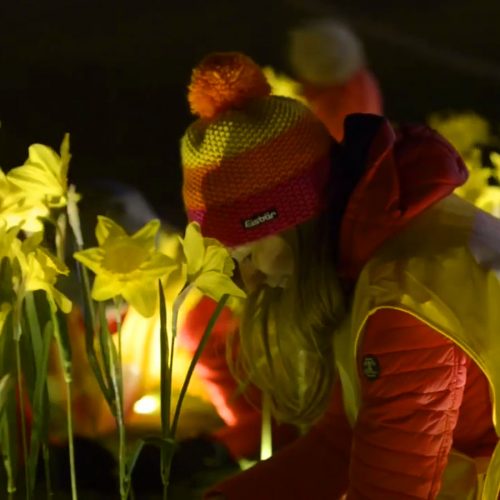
<point x="253" y="164"/>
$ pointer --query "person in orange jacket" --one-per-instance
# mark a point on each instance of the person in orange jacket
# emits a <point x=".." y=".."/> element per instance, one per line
<point x="328" y="60"/>
<point x="373" y="291"/>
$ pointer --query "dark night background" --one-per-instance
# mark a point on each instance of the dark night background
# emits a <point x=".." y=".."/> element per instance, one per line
<point x="114" y="74"/>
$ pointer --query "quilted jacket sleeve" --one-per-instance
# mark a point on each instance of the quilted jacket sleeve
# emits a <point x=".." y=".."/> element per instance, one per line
<point x="410" y="407"/>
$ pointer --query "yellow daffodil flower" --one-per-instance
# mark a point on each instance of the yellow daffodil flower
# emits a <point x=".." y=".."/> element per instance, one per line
<point x="17" y="210"/>
<point x="495" y="160"/>
<point x="40" y="271"/>
<point x="463" y="130"/>
<point x="489" y="200"/>
<point x="282" y="84"/>
<point x="9" y="247"/>
<point x="127" y="266"/>
<point x="209" y="265"/>
<point x="43" y="177"/>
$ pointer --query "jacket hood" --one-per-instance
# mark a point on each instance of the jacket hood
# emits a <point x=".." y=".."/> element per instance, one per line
<point x="400" y="174"/>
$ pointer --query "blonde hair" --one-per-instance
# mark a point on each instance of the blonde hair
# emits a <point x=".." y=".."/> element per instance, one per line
<point x="285" y="337"/>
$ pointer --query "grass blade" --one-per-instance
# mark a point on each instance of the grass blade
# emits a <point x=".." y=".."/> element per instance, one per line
<point x="196" y="357"/>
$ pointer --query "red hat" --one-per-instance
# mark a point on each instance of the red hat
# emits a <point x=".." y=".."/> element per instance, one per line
<point x="253" y="164"/>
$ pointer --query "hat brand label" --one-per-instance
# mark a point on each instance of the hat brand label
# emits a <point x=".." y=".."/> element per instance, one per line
<point x="257" y="220"/>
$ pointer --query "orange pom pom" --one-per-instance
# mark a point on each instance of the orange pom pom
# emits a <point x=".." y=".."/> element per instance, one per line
<point x="225" y="80"/>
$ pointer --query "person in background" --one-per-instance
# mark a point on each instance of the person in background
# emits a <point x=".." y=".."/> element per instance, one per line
<point x="328" y="60"/>
<point x="373" y="291"/>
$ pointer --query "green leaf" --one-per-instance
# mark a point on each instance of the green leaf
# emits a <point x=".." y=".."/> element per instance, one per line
<point x="8" y="438"/>
<point x="165" y="379"/>
<point x="34" y="328"/>
<point x="6" y="290"/>
<point x="133" y="457"/>
<point x="104" y="335"/>
<point x="90" y="329"/>
<point x="62" y="338"/>
<point x="196" y="357"/>
<point x="6" y="384"/>
<point x="39" y="430"/>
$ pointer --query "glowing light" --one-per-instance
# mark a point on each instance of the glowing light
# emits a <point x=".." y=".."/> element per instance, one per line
<point x="146" y="405"/>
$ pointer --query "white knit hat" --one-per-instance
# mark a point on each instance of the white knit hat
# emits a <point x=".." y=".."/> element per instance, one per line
<point x="325" y="52"/>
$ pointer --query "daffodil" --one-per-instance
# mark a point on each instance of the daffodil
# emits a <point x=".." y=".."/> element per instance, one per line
<point x="489" y="200"/>
<point x="282" y="84"/>
<point x="40" y="270"/>
<point x="495" y="160"/>
<point x="464" y="130"/>
<point x="43" y="177"/>
<point x="127" y="266"/>
<point x="8" y="245"/>
<point x="209" y="265"/>
<point x="18" y="210"/>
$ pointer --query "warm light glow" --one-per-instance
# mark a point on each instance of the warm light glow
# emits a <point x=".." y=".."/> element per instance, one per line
<point x="146" y="405"/>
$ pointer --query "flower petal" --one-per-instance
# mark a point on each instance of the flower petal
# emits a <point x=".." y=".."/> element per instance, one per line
<point x="157" y="265"/>
<point x="147" y="234"/>
<point x="107" y="228"/>
<point x="174" y="283"/>
<point x="45" y="157"/>
<point x="216" y="284"/>
<point x="61" y="300"/>
<point x="142" y="295"/>
<point x="91" y="258"/>
<point x="35" y="181"/>
<point x="194" y="248"/>
<point x="217" y="258"/>
<point x="106" y="287"/>
<point x="171" y="245"/>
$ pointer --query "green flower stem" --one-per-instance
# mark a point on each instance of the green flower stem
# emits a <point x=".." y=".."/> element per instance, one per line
<point x="89" y="316"/>
<point x="90" y="329"/>
<point x="117" y="377"/>
<point x="196" y="357"/>
<point x="175" y="315"/>
<point x="165" y="380"/>
<point x="17" y="340"/>
<point x="64" y="349"/>
<point x="8" y="435"/>
<point x="40" y="403"/>
<point x="60" y="237"/>
<point x="72" y="467"/>
<point x="46" y="463"/>
<point x="165" y="391"/>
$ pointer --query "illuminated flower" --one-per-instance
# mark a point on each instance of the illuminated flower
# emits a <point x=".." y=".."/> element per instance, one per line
<point x="477" y="181"/>
<point x="209" y="265"/>
<point x="495" y="160"/>
<point x="16" y="209"/>
<point x="43" y="177"/>
<point x="9" y="247"/>
<point x="127" y="266"/>
<point x="464" y="130"/>
<point x="40" y="271"/>
<point x="283" y="85"/>
<point x="489" y="200"/>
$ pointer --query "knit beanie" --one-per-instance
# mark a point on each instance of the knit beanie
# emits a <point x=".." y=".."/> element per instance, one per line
<point x="325" y="52"/>
<point x="253" y="164"/>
